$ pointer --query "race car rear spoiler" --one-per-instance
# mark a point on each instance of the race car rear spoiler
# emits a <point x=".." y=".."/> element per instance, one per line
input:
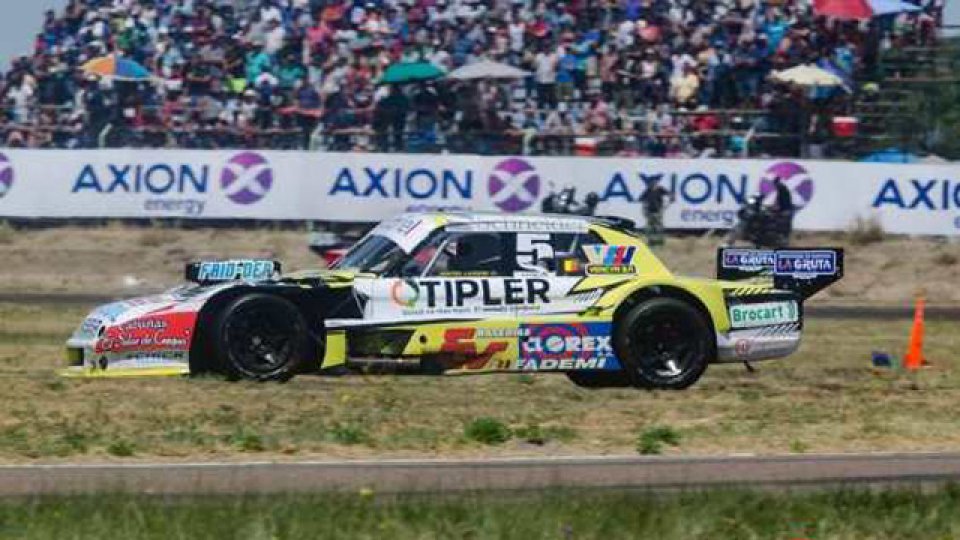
<point x="210" y="272"/>
<point x="805" y="271"/>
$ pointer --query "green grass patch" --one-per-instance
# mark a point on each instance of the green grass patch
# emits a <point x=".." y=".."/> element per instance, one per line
<point x="653" y="439"/>
<point x="487" y="430"/>
<point x="121" y="448"/>
<point x="349" y="434"/>
<point x="905" y="515"/>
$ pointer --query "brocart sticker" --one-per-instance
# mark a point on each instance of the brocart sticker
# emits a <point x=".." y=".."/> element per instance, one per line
<point x="763" y="314"/>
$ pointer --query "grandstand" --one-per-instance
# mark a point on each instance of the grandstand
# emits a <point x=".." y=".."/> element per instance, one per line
<point x="627" y="77"/>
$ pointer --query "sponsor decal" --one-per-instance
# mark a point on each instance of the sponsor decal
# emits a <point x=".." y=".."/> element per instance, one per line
<point x="398" y="183"/>
<point x="695" y="192"/>
<point x="551" y="347"/>
<point x="178" y="188"/>
<point x="245" y="270"/>
<point x="144" y="360"/>
<point x="498" y="332"/>
<point x="763" y="314"/>
<point x="748" y="259"/>
<point x="709" y="197"/>
<point x="610" y="260"/>
<point x="405" y="293"/>
<point x="742" y="347"/>
<point x="523" y="225"/>
<point x="514" y="185"/>
<point x="603" y="270"/>
<point x="6" y="175"/>
<point x="794" y="177"/>
<point x="806" y="264"/>
<point x="246" y="178"/>
<point x="166" y="332"/>
<point x="469" y="295"/>
<point x="460" y="350"/>
<point x="407" y="231"/>
<point x="917" y="194"/>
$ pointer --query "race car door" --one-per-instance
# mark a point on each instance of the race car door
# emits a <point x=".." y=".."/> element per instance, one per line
<point x="459" y="296"/>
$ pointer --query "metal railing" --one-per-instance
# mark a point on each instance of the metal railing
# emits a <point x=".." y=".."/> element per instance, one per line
<point x="731" y="133"/>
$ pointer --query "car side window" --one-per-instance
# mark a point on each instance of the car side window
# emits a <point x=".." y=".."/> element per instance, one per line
<point x="468" y="254"/>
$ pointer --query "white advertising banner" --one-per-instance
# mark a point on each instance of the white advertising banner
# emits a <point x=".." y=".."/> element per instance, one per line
<point x="913" y="199"/>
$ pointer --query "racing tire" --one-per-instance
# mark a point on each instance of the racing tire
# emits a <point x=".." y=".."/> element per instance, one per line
<point x="260" y="337"/>
<point x="664" y="344"/>
<point x="599" y="379"/>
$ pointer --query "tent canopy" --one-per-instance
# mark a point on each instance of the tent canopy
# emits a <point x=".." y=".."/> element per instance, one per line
<point x="486" y="69"/>
<point x="807" y="75"/>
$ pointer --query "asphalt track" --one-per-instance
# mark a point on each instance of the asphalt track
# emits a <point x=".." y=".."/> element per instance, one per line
<point x="514" y="474"/>
<point x="862" y="312"/>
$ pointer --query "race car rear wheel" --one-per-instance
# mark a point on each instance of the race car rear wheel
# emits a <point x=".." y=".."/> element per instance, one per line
<point x="664" y="343"/>
<point x="260" y="337"/>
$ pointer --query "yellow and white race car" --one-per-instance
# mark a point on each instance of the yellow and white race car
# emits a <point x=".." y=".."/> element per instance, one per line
<point x="462" y="293"/>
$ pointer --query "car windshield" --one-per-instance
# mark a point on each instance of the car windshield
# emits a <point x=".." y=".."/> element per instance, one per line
<point x="373" y="254"/>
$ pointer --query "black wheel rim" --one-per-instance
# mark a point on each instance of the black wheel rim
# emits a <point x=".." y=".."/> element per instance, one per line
<point x="261" y="338"/>
<point x="667" y="350"/>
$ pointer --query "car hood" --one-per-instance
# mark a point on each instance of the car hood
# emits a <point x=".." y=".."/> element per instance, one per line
<point x="330" y="278"/>
<point x="185" y="299"/>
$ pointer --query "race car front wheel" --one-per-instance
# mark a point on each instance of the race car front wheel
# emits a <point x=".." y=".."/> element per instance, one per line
<point x="663" y="343"/>
<point x="260" y="337"/>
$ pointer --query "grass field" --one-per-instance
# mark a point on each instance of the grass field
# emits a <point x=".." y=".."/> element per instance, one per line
<point x="903" y="515"/>
<point x="827" y="397"/>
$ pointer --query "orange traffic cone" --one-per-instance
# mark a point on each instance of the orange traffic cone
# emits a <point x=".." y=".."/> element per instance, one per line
<point x="914" y="358"/>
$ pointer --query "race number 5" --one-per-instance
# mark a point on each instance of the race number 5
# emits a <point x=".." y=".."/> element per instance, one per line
<point x="533" y="250"/>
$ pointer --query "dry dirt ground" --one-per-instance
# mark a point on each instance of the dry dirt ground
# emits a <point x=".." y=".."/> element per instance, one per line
<point x="825" y="398"/>
<point x="123" y="260"/>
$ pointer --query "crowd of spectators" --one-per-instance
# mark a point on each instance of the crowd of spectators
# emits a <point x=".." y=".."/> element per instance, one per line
<point x="641" y="75"/>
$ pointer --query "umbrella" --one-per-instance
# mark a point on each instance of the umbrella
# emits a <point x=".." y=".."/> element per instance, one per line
<point x="116" y="67"/>
<point x="933" y="159"/>
<point x="861" y="9"/>
<point x="891" y="155"/>
<point x="807" y="76"/>
<point x="889" y="7"/>
<point x="843" y="9"/>
<point x="408" y="72"/>
<point x="486" y="69"/>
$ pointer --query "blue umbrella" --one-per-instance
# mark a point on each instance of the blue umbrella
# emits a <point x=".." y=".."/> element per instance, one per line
<point x="116" y="67"/>
<point x="890" y="155"/>
<point x="890" y="7"/>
